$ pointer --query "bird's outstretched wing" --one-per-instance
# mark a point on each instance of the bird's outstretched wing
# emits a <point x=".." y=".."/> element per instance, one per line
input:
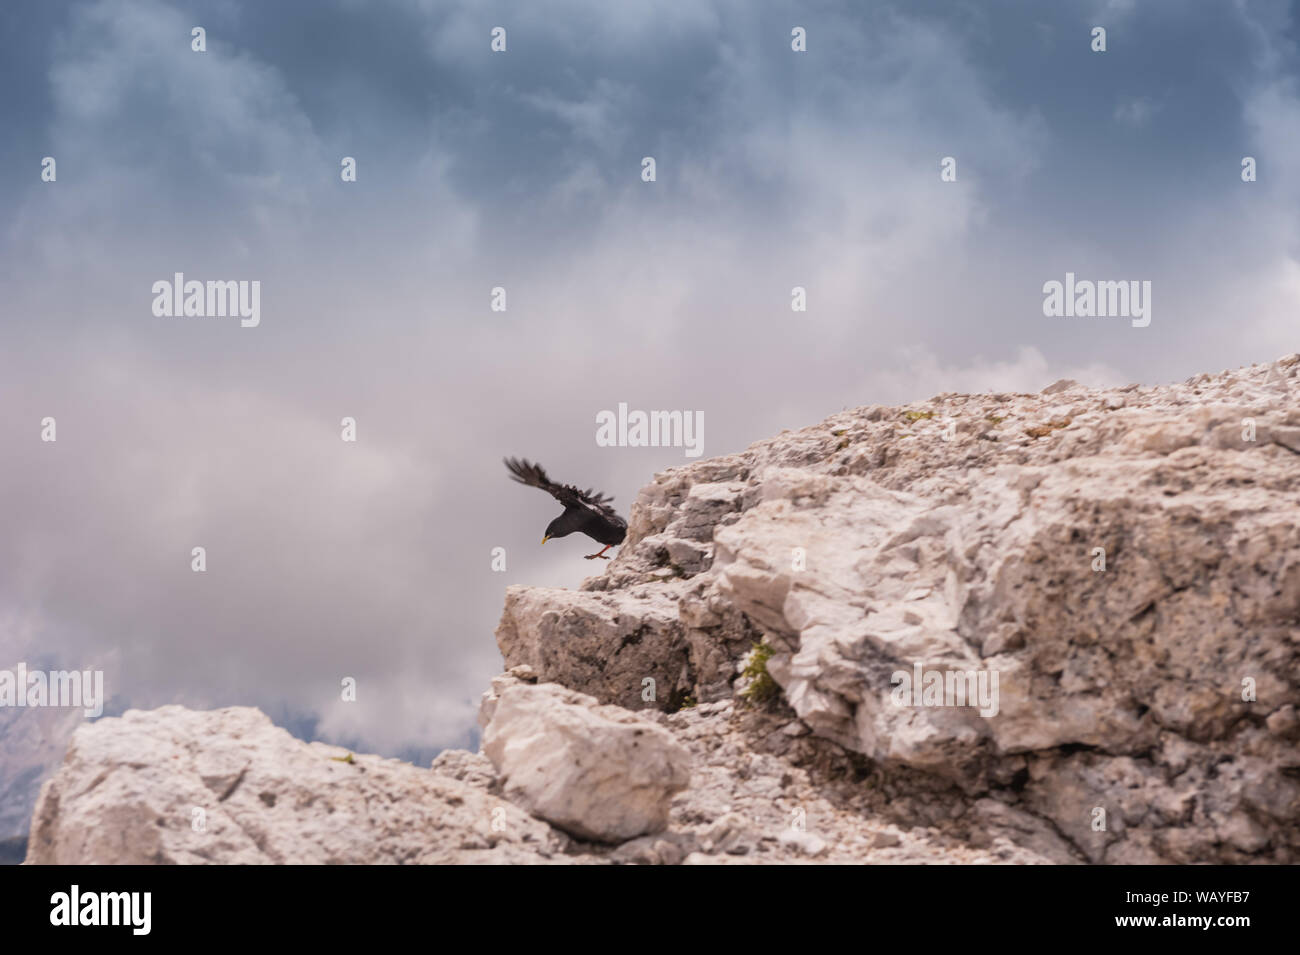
<point x="534" y="475"/>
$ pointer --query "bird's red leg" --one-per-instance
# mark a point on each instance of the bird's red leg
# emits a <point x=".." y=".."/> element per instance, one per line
<point x="600" y="554"/>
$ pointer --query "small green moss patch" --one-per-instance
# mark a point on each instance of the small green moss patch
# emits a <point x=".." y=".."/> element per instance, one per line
<point x="759" y="686"/>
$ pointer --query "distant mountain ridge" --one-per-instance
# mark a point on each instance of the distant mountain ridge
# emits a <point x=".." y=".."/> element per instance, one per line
<point x="32" y="742"/>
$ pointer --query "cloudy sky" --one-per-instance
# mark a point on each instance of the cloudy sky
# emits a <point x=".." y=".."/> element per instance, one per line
<point x="522" y="170"/>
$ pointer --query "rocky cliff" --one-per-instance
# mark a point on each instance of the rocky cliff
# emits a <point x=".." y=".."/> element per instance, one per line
<point x="1096" y="595"/>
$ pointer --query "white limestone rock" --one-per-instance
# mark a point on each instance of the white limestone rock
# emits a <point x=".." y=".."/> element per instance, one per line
<point x="598" y="772"/>
<point x="177" y="786"/>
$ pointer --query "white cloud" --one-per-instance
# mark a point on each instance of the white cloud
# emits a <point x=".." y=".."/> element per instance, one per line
<point x="1135" y="112"/>
<point x="598" y="118"/>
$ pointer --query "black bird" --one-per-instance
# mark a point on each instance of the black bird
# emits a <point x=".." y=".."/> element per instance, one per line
<point x="585" y="511"/>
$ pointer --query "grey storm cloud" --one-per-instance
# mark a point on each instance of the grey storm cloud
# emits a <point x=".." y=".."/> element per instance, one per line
<point x="521" y="170"/>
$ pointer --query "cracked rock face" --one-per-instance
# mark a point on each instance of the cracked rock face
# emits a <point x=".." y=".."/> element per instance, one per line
<point x="129" y="788"/>
<point x="1125" y="563"/>
<point x="175" y="786"/>
<point x="599" y="772"/>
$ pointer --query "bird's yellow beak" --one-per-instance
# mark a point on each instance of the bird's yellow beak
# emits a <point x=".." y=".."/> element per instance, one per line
<point x="546" y="538"/>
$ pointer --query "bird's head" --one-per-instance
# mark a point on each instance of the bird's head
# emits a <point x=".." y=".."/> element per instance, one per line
<point x="556" y="529"/>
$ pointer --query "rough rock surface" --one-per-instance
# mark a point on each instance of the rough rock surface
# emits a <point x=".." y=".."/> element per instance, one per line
<point x="1126" y="562"/>
<point x="174" y="786"/>
<point x="129" y="787"/>
<point x="599" y="772"/>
